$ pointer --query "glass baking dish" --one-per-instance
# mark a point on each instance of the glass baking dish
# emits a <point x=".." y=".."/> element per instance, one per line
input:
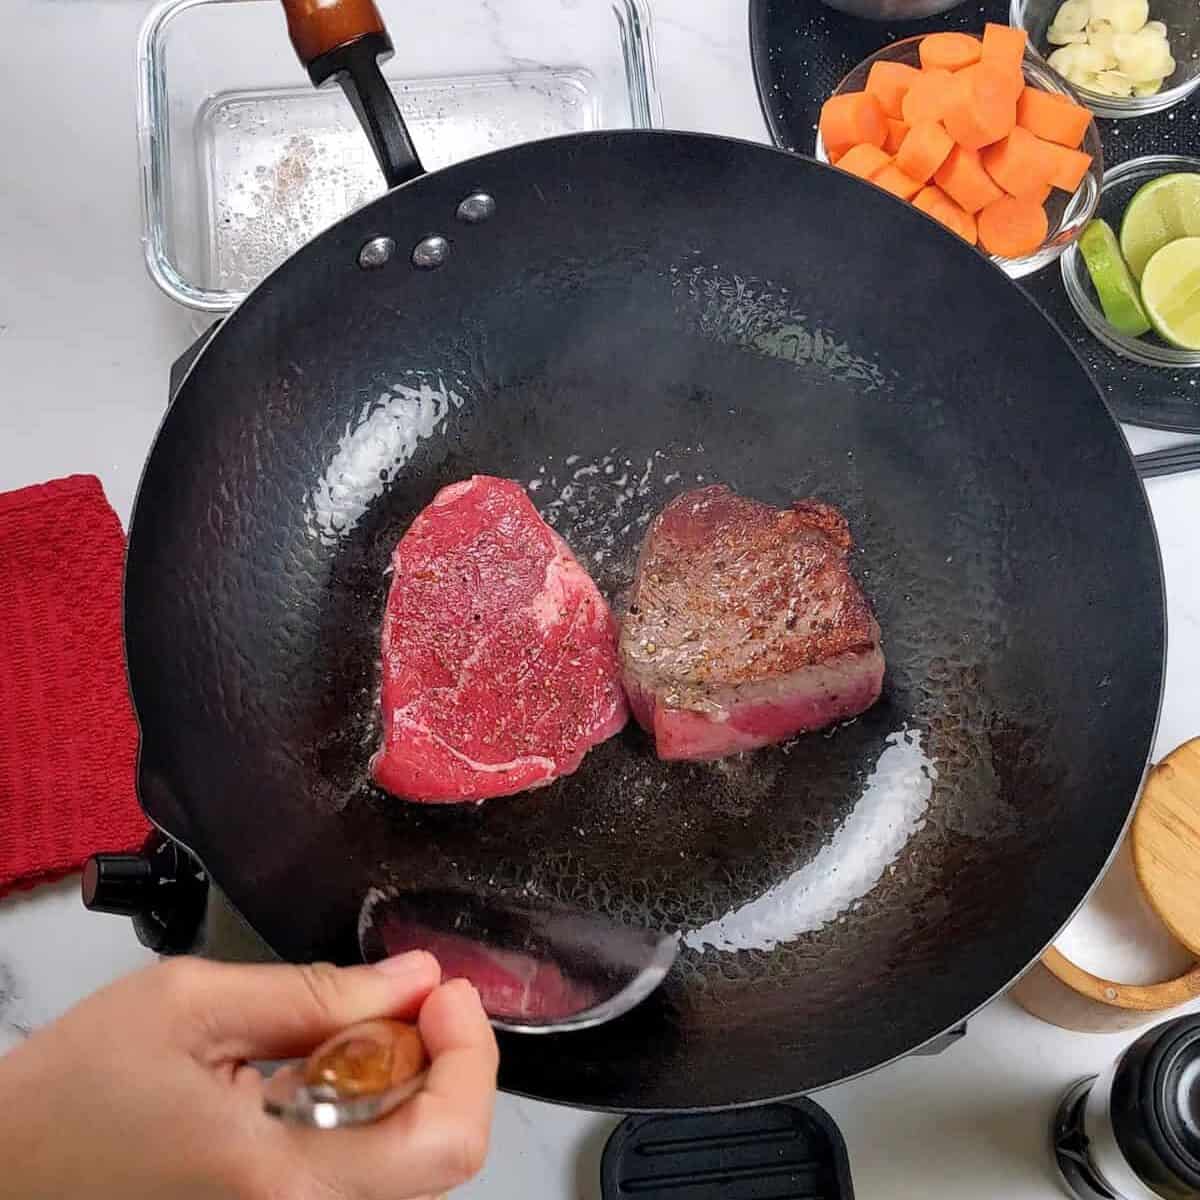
<point x="243" y="161"/>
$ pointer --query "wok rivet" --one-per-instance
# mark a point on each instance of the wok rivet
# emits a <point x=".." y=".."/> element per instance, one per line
<point x="376" y="253"/>
<point x="478" y="206"/>
<point x="430" y="252"/>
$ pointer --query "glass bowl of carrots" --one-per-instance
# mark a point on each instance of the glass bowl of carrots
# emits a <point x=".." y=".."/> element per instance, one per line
<point x="979" y="134"/>
<point x="1121" y="183"/>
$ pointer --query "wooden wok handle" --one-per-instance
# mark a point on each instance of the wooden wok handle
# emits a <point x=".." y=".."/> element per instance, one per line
<point x="318" y="26"/>
<point x="344" y="40"/>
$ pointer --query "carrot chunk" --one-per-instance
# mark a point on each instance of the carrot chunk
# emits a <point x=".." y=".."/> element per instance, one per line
<point x="1012" y="226"/>
<point x="1020" y="163"/>
<point x="1004" y="45"/>
<point x="894" y="180"/>
<point x="888" y="82"/>
<point x="850" y="119"/>
<point x="950" y="51"/>
<point x="924" y="150"/>
<point x="940" y="207"/>
<point x="864" y="160"/>
<point x="929" y="96"/>
<point x="896" y="132"/>
<point x="964" y="180"/>
<point x="1069" y="166"/>
<point x="983" y="108"/>
<point x="1016" y="82"/>
<point x="1052" y="117"/>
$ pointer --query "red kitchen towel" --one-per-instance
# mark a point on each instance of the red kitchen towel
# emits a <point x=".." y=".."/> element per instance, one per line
<point x="68" y="739"/>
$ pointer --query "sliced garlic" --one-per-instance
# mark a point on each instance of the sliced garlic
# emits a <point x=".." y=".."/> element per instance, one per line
<point x="1127" y="16"/>
<point x="1091" y="58"/>
<point x="1113" y="83"/>
<point x="1100" y="35"/>
<point x="1073" y="15"/>
<point x="1142" y="56"/>
<point x="1074" y="63"/>
<point x="1063" y="59"/>
<point x="1110" y="46"/>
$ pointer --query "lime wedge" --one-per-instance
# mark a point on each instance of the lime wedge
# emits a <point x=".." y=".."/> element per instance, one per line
<point x="1161" y="211"/>
<point x="1171" y="292"/>
<point x="1111" y="278"/>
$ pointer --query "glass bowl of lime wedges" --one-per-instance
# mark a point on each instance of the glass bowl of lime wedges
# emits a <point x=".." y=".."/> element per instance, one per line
<point x="1134" y="274"/>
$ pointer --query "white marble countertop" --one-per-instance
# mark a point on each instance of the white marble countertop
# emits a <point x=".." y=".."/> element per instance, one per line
<point x="85" y="346"/>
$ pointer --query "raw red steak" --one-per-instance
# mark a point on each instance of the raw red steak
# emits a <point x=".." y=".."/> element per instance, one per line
<point x="745" y="625"/>
<point x="509" y="983"/>
<point x="500" y="663"/>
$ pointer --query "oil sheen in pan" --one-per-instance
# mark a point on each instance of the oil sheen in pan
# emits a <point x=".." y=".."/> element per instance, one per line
<point x="375" y="446"/>
<point x="601" y="502"/>
<point x="892" y="807"/>
<point x="602" y="506"/>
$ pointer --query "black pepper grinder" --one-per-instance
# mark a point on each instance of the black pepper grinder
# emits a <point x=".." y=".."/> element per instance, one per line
<point x="1133" y="1133"/>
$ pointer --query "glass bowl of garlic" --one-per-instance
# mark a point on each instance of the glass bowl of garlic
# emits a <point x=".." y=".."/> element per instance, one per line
<point x="1125" y="58"/>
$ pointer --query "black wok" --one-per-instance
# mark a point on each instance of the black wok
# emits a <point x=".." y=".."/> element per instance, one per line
<point x="641" y="312"/>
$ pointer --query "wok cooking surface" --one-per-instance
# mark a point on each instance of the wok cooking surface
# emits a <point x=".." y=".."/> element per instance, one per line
<point x="619" y="332"/>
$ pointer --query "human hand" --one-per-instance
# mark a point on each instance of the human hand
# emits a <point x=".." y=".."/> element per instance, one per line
<point x="144" y="1089"/>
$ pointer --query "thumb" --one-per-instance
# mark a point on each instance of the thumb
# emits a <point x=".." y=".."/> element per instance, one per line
<point x="237" y="1012"/>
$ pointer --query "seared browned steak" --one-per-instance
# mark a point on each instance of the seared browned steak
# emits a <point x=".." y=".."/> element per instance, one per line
<point x="745" y="625"/>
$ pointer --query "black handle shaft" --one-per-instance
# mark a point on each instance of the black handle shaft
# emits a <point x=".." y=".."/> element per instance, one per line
<point x="355" y="67"/>
<point x="1171" y="461"/>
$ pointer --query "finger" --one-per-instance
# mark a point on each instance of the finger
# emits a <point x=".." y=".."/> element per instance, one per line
<point x="462" y="1049"/>
<point x="447" y="1125"/>
<point x="248" y="1082"/>
<point x="246" y="1012"/>
<point x="438" y="1139"/>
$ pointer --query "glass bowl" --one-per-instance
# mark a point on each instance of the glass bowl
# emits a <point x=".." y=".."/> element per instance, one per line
<point x="243" y="160"/>
<point x="1182" y="19"/>
<point x="1118" y="188"/>
<point x="1067" y="214"/>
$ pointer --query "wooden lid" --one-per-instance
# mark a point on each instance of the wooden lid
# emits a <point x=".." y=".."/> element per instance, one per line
<point x="1165" y="841"/>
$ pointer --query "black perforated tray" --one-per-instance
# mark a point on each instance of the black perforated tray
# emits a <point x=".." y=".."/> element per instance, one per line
<point x="791" y="1150"/>
<point x="801" y="51"/>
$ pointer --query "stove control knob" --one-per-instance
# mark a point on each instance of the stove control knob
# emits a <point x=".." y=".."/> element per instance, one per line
<point x="118" y="883"/>
<point x="161" y="887"/>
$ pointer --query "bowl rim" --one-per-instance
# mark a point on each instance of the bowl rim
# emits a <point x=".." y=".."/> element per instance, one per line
<point x="1149" y="354"/>
<point x="1115" y="107"/>
<point x="1138" y="997"/>
<point x="1036" y="70"/>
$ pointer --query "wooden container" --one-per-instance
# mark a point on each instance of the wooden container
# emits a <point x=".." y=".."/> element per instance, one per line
<point x="1058" y="991"/>
<point x="1165" y="843"/>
